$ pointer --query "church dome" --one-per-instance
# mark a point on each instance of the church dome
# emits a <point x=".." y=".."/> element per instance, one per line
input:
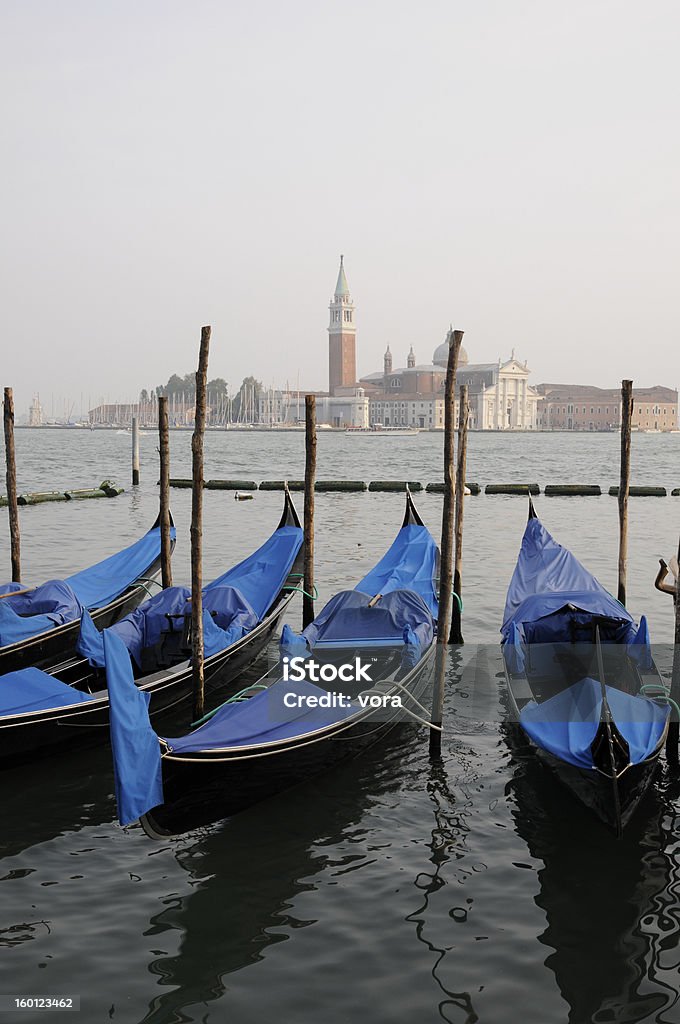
<point x="441" y="355"/>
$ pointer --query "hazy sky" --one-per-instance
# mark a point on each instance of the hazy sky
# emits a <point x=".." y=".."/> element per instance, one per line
<point x="511" y="167"/>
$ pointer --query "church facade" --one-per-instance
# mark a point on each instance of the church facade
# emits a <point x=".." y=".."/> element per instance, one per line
<point x="499" y="393"/>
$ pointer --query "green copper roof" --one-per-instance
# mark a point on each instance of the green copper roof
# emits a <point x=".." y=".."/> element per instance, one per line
<point x="341" y="287"/>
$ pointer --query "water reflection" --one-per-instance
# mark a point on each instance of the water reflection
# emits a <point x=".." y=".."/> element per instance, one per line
<point x="247" y="872"/>
<point x="610" y="904"/>
<point x="448" y="839"/>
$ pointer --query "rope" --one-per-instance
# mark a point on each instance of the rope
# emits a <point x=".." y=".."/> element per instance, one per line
<point x="234" y="699"/>
<point x="664" y="695"/>
<point x="458" y="598"/>
<point x="300" y="590"/>
<point x="141" y="580"/>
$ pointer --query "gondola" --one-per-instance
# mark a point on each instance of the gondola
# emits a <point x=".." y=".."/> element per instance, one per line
<point x="257" y="747"/>
<point x="581" y="679"/>
<point x="242" y="608"/>
<point x="40" y="625"/>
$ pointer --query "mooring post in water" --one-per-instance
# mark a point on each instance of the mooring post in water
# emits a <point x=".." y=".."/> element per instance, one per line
<point x="673" y="736"/>
<point x="446" y="571"/>
<point x="164" y="452"/>
<point x="624" y="483"/>
<point x="310" y="476"/>
<point x="12" y="507"/>
<point x="456" y="636"/>
<point x="135" y="450"/>
<point x="197" y="528"/>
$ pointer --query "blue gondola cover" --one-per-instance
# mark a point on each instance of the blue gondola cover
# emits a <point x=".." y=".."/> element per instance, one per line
<point x="57" y="602"/>
<point x="228" y="613"/>
<point x="264" y="718"/>
<point x="29" y="689"/>
<point x="411" y="563"/>
<point x="565" y="725"/>
<point x="551" y="591"/>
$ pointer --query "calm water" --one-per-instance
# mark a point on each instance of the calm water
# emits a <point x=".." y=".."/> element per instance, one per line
<point x="389" y="890"/>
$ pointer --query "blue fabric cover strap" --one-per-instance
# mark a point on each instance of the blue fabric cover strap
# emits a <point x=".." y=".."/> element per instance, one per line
<point x="565" y="725"/>
<point x="136" y="751"/>
<point x="263" y="718"/>
<point x="29" y="689"/>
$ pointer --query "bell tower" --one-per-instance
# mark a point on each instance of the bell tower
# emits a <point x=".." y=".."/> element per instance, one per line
<point x="342" y="356"/>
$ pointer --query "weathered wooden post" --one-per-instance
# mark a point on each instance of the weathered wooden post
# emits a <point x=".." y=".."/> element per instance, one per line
<point x="624" y="483"/>
<point x="197" y="528"/>
<point x="456" y="636"/>
<point x="673" y="736"/>
<point x="446" y="572"/>
<point x="12" y="508"/>
<point x="310" y="476"/>
<point x="164" y="452"/>
<point x="135" y="450"/>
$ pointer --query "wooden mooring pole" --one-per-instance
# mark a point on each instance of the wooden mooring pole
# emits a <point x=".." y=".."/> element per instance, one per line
<point x="135" y="450"/>
<point x="455" y="339"/>
<point x="197" y="528"/>
<point x="164" y="452"/>
<point x="673" y="736"/>
<point x="624" y="483"/>
<point x="12" y="507"/>
<point x="456" y="636"/>
<point x="310" y="477"/>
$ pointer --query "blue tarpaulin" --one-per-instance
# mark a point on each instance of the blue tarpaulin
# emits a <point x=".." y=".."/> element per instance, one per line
<point x="136" y="751"/>
<point x="551" y="595"/>
<point x="263" y="718"/>
<point x="14" y="628"/>
<point x="565" y="725"/>
<point x="410" y="564"/>
<point x="29" y="689"/>
<point x="347" y="619"/>
<point x="59" y="601"/>
<point x="406" y="613"/>
<point x="101" y="583"/>
<point x="225" y="604"/>
<point x="260" y="577"/>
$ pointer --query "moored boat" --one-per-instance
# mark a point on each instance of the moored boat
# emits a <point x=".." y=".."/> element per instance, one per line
<point x="289" y="728"/>
<point x="40" y="625"/>
<point x="579" y="671"/>
<point x="242" y="609"/>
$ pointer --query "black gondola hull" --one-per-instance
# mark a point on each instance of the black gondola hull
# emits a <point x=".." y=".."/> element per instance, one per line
<point x="206" y="789"/>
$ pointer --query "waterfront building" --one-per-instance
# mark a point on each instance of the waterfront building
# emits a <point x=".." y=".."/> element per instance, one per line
<point x="277" y="408"/>
<point x="35" y="413"/>
<point x="413" y="395"/>
<point x="582" y="407"/>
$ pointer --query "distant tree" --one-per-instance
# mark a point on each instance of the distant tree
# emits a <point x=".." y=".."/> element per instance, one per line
<point x="143" y="395"/>
<point x="218" y="387"/>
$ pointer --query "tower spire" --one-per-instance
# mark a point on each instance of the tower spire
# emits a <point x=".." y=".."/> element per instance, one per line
<point x="341" y="288"/>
